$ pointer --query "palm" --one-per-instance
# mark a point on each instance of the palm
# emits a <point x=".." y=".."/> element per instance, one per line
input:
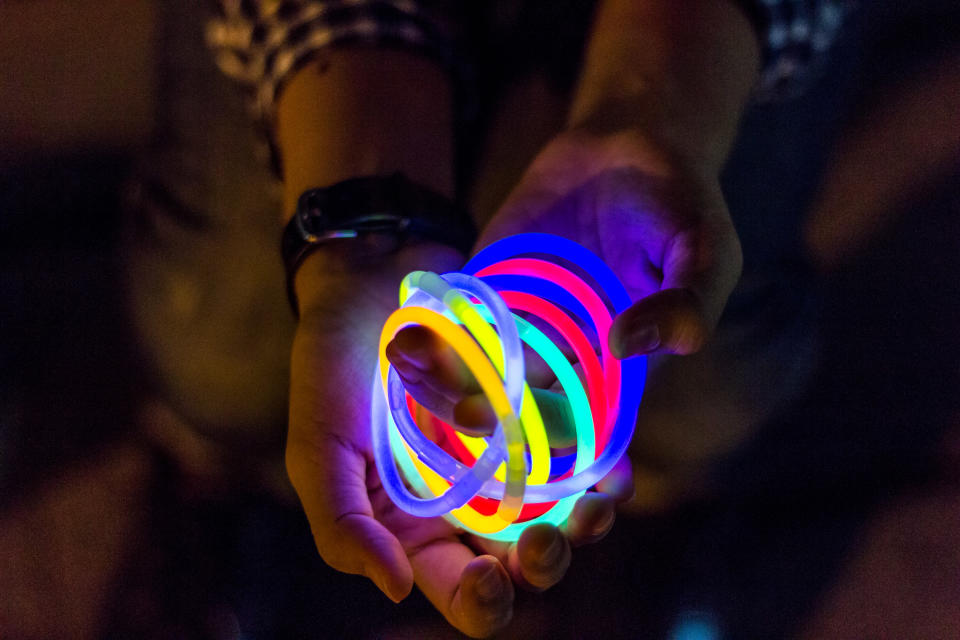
<point x="329" y="456"/>
<point x="356" y="526"/>
<point x="334" y="362"/>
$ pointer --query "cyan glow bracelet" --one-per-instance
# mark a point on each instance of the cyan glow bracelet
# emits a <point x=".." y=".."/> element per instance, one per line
<point x="499" y="485"/>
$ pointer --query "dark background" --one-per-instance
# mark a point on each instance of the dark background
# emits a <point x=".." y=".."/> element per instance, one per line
<point x="840" y="518"/>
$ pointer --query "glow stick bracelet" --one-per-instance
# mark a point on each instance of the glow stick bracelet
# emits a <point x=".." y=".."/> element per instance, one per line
<point x="446" y="478"/>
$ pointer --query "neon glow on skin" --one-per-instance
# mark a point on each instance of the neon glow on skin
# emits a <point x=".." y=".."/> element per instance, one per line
<point x="473" y="312"/>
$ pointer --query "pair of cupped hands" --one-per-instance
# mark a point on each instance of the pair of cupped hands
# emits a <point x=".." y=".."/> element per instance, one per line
<point x="658" y="221"/>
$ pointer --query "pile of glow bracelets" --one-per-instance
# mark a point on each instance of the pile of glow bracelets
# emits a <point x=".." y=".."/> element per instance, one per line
<point x="496" y="486"/>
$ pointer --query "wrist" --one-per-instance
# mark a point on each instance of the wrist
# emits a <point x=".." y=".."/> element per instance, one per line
<point x="326" y="276"/>
<point x="624" y="120"/>
<point x="681" y="75"/>
<point x="365" y="271"/>
<point x="363" y="221"/>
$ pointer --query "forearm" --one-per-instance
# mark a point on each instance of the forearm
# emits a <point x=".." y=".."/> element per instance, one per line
<point x="360" y="111"/>
<point x="680" y="72"/>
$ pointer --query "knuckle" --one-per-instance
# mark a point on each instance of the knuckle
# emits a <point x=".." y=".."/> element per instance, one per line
<point x="691" y="329"/>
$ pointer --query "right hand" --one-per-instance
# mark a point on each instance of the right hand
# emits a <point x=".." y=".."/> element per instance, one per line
<point x="329" y="459"/>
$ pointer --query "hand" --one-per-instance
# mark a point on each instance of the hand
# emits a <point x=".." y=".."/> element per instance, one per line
<point x="356" y="527"/>
<point x="658" y="221"/>
<point x="438" y="379"/>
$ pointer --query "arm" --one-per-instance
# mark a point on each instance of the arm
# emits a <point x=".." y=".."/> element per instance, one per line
<point x="635" y="175"/>
<point x="356" y="112"/>
<point x="363" y="111"/>
<point x="359" y="112"/>
<point x="680" y="87"/>
<point x="680" y="72"/>
<point x="327" y="132"/>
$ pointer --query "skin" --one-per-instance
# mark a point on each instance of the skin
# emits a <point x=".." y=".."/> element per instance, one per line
<point x="633" y="177"/>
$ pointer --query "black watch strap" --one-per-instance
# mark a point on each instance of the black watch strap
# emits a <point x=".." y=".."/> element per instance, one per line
<point x="391" y="205"/>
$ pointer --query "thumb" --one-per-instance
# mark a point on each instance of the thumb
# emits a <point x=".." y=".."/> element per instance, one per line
<point x="700" y="270"/>
<point x="669" y="321"/>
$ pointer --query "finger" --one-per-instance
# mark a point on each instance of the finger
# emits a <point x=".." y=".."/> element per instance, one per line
<point x="700" y="270"/>
<point x="591" y="519"/>
<point x="475" y="416"/>
<point x="618" y="484"/>
<point x="421" y="355"/>
<point x="540" y="557"/>
<point x="434" y="400"/>
<point x="538" y="374"/>
<point x="557" y="418"/>
<point x="537" y="560"/>
<point x="438" y="379"/>
<point x="669" y="321"/>
<point x="474" y="594"/>
<point x="433" y="373"/>
<point x="329" y="476"/>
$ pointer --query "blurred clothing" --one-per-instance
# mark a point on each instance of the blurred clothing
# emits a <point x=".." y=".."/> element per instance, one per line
<point x="261" y="44"/>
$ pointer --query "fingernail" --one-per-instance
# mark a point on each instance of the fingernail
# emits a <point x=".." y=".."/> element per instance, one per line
<point x="418" y="355"/>
<point x="382" y="584"/>
<point x="604" y="525"/>
<point x="553" y="553"/>
<point x="639" y="341"/>
<point x="490" y="584"/>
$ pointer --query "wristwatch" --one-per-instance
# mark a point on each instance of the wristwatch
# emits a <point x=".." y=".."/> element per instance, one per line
<point x="391" y="205"/>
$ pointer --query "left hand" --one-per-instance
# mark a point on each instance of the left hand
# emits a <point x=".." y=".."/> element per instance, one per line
<point x="660" y="223"/>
